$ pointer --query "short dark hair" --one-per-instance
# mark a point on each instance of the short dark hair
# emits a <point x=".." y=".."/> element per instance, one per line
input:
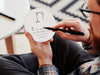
<point x="98" y="2"/>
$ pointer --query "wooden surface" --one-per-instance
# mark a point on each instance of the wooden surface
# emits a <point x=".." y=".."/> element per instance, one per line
<point x="9" y="45"/>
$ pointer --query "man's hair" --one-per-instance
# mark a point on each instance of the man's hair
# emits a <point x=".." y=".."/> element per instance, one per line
<point x="98" y="2"/>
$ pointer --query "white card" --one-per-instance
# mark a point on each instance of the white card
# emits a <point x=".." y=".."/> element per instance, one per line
<point x="35" y="22"/>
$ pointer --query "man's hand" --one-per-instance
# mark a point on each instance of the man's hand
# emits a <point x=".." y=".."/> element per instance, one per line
<point x="41" y="50"/>
<point x="75" y="25"/>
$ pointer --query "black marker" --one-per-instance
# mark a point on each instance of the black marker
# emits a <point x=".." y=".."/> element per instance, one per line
<point x="67" y="31"/>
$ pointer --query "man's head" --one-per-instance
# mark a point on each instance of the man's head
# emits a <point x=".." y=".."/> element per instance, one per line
<point x="94" y="5"/>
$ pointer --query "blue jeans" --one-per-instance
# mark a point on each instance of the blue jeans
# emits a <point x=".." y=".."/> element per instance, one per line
<point x="67" y="56"/>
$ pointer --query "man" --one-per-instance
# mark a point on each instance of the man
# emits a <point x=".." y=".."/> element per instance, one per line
<point x="43" y="51"/>
<point x="60" y="57"/>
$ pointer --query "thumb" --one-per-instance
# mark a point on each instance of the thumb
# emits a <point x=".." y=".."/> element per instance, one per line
<point x="30" y="38"/>
<point x="62" y="34"/>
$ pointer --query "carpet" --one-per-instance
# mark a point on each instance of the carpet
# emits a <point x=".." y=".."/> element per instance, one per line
<point x="60" y="9"/>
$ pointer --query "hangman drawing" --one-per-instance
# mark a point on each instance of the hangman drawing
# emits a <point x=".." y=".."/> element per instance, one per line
<point x="39" y="16"/>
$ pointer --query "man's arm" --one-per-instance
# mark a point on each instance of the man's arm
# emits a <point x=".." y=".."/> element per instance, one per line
<point x="48" y="70"/>
<point x="43" y="52"/>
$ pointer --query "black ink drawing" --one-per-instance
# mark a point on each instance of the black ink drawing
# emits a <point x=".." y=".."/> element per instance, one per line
<point x="32" y="28"/>
<point x="37" y="16"/>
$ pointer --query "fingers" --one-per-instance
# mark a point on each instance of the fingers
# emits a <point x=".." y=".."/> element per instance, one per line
<point x="30" y="38"/>
<point x="65" y="24"/>
<point x="51" y="40"/>
<point x="68" y="23"/>
<point x="68" y="36"/>
<point x="28" y="35"/>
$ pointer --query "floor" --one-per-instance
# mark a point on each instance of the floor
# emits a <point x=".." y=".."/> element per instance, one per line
<point x="21" y="45"/>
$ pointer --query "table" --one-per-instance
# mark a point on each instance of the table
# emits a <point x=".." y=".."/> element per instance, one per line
<point x="16" y="9"/>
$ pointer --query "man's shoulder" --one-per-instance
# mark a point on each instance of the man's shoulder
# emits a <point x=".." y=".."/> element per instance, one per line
<point x="95" y="67"/>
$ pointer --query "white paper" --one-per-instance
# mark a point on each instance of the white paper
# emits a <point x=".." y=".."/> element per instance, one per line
<point x="35" y="22"/>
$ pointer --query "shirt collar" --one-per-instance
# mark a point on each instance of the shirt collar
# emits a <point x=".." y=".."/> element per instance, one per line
<point x="95" y="65"/>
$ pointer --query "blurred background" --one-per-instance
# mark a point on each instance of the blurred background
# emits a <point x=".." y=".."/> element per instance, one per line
<point x="60" y="9"/>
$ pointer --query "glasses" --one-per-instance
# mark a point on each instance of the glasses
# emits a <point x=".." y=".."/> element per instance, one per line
<point x="85" y="11"/>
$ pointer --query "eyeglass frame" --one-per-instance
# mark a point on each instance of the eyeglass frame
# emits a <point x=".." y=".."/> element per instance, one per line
<point x="87" y="10"/>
